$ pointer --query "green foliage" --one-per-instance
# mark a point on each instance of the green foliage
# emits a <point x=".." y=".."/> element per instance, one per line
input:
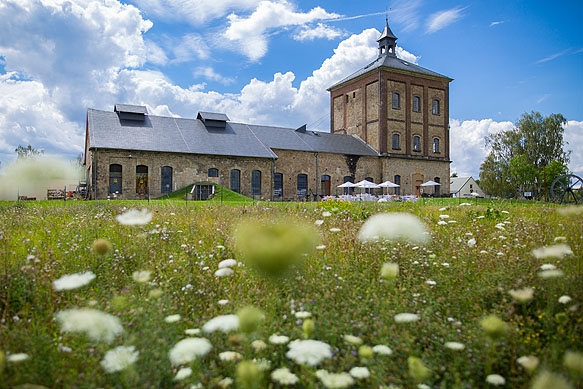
<point x="27" y="152"/>
<point x="519" y="159"/>
<point x="450" y="284"/>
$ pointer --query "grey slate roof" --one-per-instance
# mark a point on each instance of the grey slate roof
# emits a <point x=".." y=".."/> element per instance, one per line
<point x="392" y="62"/>
<point x="178" y="135"/>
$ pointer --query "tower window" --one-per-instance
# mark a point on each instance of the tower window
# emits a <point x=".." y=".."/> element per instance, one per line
<point x="435" y="107"/>
<point x="396" y="141"/>
<point x="436" y="145"/>
<point x="416" y="104"/>
<point x="416" y="143"/>
<point x="396" y="101"/>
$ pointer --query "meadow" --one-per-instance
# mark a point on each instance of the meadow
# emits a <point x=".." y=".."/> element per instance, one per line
<point x="272" y="295"/>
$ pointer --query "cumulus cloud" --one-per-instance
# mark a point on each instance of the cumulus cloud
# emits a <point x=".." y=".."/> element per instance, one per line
<point x="442" y="19"/>
<point x="249" y="34"/>
<point x="574" y="137"/>
<point x="307" y="33"/>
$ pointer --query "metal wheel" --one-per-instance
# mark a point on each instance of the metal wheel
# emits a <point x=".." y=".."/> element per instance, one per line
<point x="567" y="189"/>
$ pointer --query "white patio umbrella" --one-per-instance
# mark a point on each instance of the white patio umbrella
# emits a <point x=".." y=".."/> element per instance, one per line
<point x="389" y="184"/>
<point x="430" y="183"/>
<point x="366" y="185"/>
<point x="347" y="184"/>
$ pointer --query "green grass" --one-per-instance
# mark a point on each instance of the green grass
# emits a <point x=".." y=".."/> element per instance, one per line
<point x="221" y="195"/>
<point x="450" y="285"/>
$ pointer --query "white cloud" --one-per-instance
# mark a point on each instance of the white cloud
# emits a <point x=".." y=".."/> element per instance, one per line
<point x="574" y="137"/>
<point x="318" y="32"/>
<point x="209" y="73"/>
<point x="405" y="13"/>
<point x="467" y="146"/>
<point x="442" y="19"/>
<point x="249" y="34"/>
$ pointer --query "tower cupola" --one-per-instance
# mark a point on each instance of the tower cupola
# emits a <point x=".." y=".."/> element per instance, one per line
<point x="387" y="41"/>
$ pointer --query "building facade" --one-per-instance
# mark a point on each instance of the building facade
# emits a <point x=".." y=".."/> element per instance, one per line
<point x="389" y="121"/>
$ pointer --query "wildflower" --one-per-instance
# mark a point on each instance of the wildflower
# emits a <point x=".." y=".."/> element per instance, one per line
<point x="308" y="326"/>
<point x="365" y="352"/>
<point x="225" y="382"/>
<point x="249" y="318"/>
<point x="406" y="317"/>
<point x="227" y="263"/>
<point x="224" y="272"/>
<point x="326" y="214"/>
<point x="335" y="380"/>
<point x="303" y="315"/>
<point x="284" y="377"/>
<point x="522" y="295"/>
<point x="258" y="345"/>
<point x="172" y="318"/>
<point x="335" y="229"/>
<point x="223" y="302"/>
<point x="156" y="293"/>
<point x="273" y="248"/>
<point x="73" y="281"/>
<point x="119" y="358"/>
<point x="547" y="274"/>
<point x="98" y="326"/>
<point x="183" y="373"/>
<point x="189" y="349"/>
<point x="556" y="251"/>
<point x="574" y="361"/>
<point x="548" y="266"/>
<point x="320" y="247"/>
<point x="454" y="345"/>
<point x="494" y="327"/>
<point x="495" y="379"/>
<point x="353" y="340"/>
<point x="319" y="222"/>
<point x="360" y="373"/>
<point x="308" y="352"/>
<point x="442" y="223"/>
<point x="278" y="339"/>
<point x="133" y="217"/>
<point x="192" y="331"/>
<point x="444" y="216"/>
<point x="472" y="242"/>
<point x="18" y="357"/>
<point x="546" y="379"/>
<point x="382" y="349"/>
<point x="431" y="282"/>
<point x="230" y="356"/>
<point x="390" y="271"/>
<point x="394" y="226"/>
<point x="101" y="246"/>
<point x="417" y="369"/>
<point x="530" y="363"/>
<point x="142" y="276"/>
<point x="223" y="323"/>
<point x="565" y="299"/>
<point x="248" y="374"/>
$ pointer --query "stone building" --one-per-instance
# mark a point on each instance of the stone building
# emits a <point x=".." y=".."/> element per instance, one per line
<point x="389" y="121"/>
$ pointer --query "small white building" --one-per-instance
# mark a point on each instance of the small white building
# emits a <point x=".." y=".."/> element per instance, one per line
<point x="464" y="187"/>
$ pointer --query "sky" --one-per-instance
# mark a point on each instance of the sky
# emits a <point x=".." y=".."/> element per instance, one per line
<point x="270" y="62"/>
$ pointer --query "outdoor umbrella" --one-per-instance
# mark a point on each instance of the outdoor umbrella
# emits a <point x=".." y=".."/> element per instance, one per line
<point x="366" y="185"/>
<point x="430" y="183"/>
<point x="389" y="184"/>
<point x="347" y="184"/>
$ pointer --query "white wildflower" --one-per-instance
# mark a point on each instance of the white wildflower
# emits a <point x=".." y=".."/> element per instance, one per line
<point x="495" y="379"/>
<point x="224" y="272"/>
<point x="172" y="318"/>
<point x="278" y="339"/>
<point x="183" y="373"/>
<point x="308" y="352"/>
<point x="192" y="331"/>
<point x="73" y="281"/>
<point x="556" y="251"/>
<point x="454" y="345"/>
<point x="360" y="373"/>
<point x="18" y="357"/>
<point x="303" y="315"/>
<point x="353" y="340"/>
<point x="227" y="263"/>
<point x="284" y="377"/>
<point x="335" y="380"/>
<point x="119" y="358"/>
<point x="394" y="226"/>
<point x="565" y="299"/>
<point x="134" y="217"/>
<point x="97" y="325"/>
<point x="381" y="349"/>
<point x="406" y="317"/>
<point x="189" y="349"/>
<point x="472" y="242"/>
<point x="142" y="275"/>
<point x="223" y="323"/>
<point x="230" y="356"/>
<point x="529" y="362"/>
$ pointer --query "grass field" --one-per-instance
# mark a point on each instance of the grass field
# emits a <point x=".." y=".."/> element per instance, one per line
<point x="490" y="296"/>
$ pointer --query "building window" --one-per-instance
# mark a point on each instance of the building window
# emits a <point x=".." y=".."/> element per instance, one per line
<point x="369" y="179"/>
<point x="142" y="180"/>
<point x="416" y="143"/>
<point x="325" y="183"/>
<point x="396" y="101"/>
<point x="396" y="142"/>
<point x="278" y="185"/>
<point x="302" y="185"/>
<point x="115" y="178"/>
<point x="416" y="104"/>
<point x="436" y="187"/>
<point x="436" y="145"/>
<point x="435" y="107"/>
<point x="397" y="180"/>
<point x="213" y="172"/>
<point x="166" y="179"/>
<point x="348" y="191"/>
<point x="256" y="183"/>
<point x="235" y="180"/>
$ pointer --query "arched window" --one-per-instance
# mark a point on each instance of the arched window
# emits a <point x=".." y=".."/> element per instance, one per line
<point x="396" y="142"/>
<point x="213" y="172"/>
<point x="369" y="179"/>
<point x="436" y="145"/>
<point x="416" y="143"/>
<point x="115" y="178"/>
<point x="435" y="107"/>
<point x="396" y="100"/>
<point x="416" y="104"/>
<point x="348" y="191"/>
<point x="235" y="184"/>
<point x="256" y="182"/>
<point x="397" y="180"/>
<point x="142" y="180"/>
<point x="302" y="185"/>
<point x="325" y="185"/>
<point x="278" y="185"/>
<point x="166" y="179"/>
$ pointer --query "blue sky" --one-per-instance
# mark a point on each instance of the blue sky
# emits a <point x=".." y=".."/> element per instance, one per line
<point x="270" y="62"/>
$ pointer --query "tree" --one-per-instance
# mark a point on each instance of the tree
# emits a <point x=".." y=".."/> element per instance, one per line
<point x="519" y="158"/>
<point x="27" y="152"/>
